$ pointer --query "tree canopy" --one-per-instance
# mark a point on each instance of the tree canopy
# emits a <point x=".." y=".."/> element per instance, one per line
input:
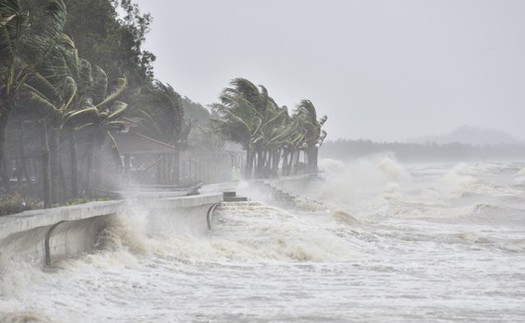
<point x="75" y="73"/>
<point x="248" y="115"/>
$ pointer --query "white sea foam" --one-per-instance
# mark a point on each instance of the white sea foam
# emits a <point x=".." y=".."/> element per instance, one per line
<point x="418" y="243"/>
<point x="379" y="178"/>
<point x="23" y="316"/>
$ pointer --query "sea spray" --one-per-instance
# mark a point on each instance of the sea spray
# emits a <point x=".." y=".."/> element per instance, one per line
<point x="365" y="183"/>
<point x="17" y="275"/>
<point x="435" y="253"/>
<point x="24" y="317"/>
<point x="343" y="216"/>
<point x="257" y="232"/>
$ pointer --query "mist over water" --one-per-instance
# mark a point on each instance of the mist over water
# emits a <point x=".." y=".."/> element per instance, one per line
<point x="391" y="242"/>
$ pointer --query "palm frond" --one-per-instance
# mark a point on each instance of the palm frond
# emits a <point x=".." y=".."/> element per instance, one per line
<point x="70" y="92"/>
<point x="99" y="86"/>
<point x="115" y="150"/>
<point x="307" y="108"/>
<point x="77" y="118"/>
<point x="84" y="75"/>
<point x="84" y="126"/>
<point x="41" y="85"/>
<point x="117" y="91"/>
<point x="45" y="33"/>
<point x="118" y="108"/>
<point x="10" y="31"/>
<point x="36" y="99"/>
<point x="5" y="20"/>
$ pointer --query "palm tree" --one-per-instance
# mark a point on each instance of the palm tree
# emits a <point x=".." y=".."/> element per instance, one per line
<point x="240" y="125"/>
<point x="51" y="103"/>
<point x="278" y="140"/>
<point x="294" y="142"/>
<point x="249" y="116"/>
<point x="163" y="115"/>
<point x="314" y="136"/>
<point x="83" y="74"/>
<point x="163" y="119"/>
<point x="245" y="111"/>
<point x="53" y="91"/>
<point x="275" y="129"/>
<point x="99" y="116"/>
<point x="24" y="45"/>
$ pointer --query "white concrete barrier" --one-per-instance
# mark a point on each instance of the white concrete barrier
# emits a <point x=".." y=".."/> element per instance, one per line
<point x="42" y="236"/>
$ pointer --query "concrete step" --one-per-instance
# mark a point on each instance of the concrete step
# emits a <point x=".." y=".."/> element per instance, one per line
<point x="236" y="199"/>
<point x="229" y="194"/>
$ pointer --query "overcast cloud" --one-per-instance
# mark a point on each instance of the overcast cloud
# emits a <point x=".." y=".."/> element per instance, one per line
<point x="386" y="70"/>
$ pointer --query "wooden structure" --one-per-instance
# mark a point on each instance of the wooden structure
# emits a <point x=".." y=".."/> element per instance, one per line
<point x="146" y="160"/>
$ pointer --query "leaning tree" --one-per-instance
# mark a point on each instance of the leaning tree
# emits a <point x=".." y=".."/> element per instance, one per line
<point x="24" y="45"/>
<point x="314" y="135"/>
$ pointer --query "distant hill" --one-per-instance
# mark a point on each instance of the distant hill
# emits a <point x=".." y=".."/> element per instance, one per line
<point x="476" y="136"/>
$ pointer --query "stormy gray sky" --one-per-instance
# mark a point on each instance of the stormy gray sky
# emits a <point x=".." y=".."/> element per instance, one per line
<point x="385" y="70"/>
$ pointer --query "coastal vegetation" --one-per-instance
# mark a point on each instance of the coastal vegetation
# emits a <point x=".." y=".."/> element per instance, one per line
<point x="74" y="76"/>
<point x="249" y="116"/>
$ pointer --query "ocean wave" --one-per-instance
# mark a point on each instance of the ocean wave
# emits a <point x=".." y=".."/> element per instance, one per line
<point x="355" y="182"/>
<point x="24" y="317"/>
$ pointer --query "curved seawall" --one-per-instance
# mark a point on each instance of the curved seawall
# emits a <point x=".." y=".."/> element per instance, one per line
<point x="44" y="236"/>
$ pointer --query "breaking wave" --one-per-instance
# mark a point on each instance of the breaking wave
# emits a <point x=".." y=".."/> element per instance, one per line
<point x="435" y="235"/>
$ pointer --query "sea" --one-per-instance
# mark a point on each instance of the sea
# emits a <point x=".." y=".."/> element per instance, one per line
<point x="373" y="240"/>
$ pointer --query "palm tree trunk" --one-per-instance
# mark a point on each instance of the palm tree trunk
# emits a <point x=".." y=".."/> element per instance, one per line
<point x="61" y="176"/>
<point x="19" y="166"/>
<point x="176" y="167"/>
<point x="267" y="162"/>
<point x="53" y="148"/>
<point x="285" y="162"/>
<point x="313" y="159"/>
<point x="73" y="150"/>
<point x="290" y="166"/>
<point x="249" y="163"/>
<point x="260" y="163"/>
<point x="276" y="158"/>
<point x="89" y="165"/>
<point x="96" y="169"/>
<point x="5" y="108"/>
<point x="46" y="168"/>
<point x="22" y="170"/>
<point x="295" y="164"/>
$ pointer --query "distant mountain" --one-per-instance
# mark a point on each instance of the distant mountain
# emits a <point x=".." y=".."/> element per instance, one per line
<point x="476" y="136"/>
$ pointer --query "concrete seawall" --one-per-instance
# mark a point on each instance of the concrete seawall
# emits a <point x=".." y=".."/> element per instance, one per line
<point x="43" y="236"/>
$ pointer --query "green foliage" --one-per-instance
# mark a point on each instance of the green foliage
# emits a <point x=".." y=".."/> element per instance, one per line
<point x="249" y="116"/>
<point x="307" y="116"/>
<point x="163" y="115"/>
<point x="195" y="111"/>
<point x="113" y="43"/>
<point x="17" y="203"/>
<point x="25" y="43"/>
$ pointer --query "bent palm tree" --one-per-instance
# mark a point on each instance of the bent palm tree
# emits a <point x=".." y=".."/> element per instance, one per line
<point x="51" y="103"/>
<point x="50" y="92"/>
<point x="23" y="47"/>
<point x="239" y="123"/>
<point x="163" y="119"/>
<point x="314" y="136"/>
<point x="99" y="115"/>
<point x="246" y="113"/>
